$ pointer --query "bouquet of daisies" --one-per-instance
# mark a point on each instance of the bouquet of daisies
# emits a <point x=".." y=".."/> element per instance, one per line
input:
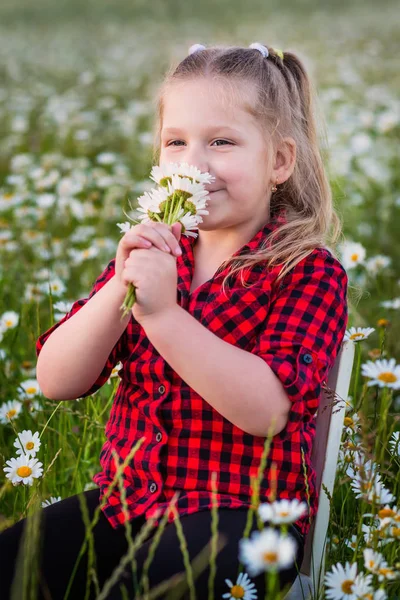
<point x="180" y="196"/>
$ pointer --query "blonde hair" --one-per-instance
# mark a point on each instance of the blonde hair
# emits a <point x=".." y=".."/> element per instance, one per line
<point x="285" y="107"/>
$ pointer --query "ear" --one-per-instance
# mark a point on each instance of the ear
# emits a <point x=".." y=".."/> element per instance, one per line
<point x="177" y="230"/>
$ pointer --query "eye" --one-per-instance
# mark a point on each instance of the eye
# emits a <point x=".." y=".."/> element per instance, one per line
<point x="174" y="141"/>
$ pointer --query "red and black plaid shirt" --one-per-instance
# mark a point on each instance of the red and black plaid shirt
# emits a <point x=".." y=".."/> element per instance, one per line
<point x="296" y="326"/>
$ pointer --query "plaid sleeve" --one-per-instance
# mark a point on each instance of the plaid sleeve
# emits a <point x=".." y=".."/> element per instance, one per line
<point x="120" y="349"/>
<point x="304" y="330"/>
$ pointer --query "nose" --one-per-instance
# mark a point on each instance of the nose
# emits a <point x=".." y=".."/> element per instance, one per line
<point x="197" y="157"/>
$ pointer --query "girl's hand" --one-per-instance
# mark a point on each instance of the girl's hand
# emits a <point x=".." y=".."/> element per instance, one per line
<point x="145" y="235"/>
<point x="154" y="274"/>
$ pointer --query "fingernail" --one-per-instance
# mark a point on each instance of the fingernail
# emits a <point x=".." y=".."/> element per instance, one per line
<point x="178" y="251"/>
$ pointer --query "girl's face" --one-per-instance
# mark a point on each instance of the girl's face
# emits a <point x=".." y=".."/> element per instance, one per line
<point x="202" y="128"/>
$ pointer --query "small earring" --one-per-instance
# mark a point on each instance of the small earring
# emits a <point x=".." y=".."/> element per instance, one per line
<point x="274" y="188"/>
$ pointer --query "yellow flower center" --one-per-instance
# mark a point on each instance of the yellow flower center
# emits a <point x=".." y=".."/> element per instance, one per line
<point x="9" y="323"/>
<point x="371" y="564"/>
<point x="24" y="471"/>
<point x="31" y="390"/>
<point x="26" y="364"/>
<point x="347" y="586"/>
<point x="385" y="512"/>
<point x="354" y="336"/>
<point x="270" y="557"/>
<point x="284" y="513"/>
<point x="354" y="256"/>
<point x="348" y="421"/>
<point x="8" y="196"/>
<point x="11" y="413"/>
<point x="387" y="377"/>
<point x="237" y="591"/>
<point x="85" y="253"/>
<point x="30" y="445"/>
<point x="335" y="540"/>
<point x="396" y="532"/>
<point x="382" y="322"/>
<point x="385" y="572"/>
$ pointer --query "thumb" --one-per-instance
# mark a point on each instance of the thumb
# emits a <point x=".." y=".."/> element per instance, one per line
<point x="177" y="230"/>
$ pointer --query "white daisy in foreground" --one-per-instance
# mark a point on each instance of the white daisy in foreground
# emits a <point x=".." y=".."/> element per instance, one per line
<point x="382" y="372"/>
<point x="27" y="443"/>
<point x="362" y="587"/>
<point x="282" y="511"/>
<point x="52" y="500"/>
<point x="243" y="588"/>
<point x="394" y="443"/>
<point x="340" y="582"/>
<point x="267" y="550"/>
<point x="8" y="320"/>
<point x="357" y="334"/>
<point x="10" y="410"/>
<point x="30" y="388"/>
<point x="23" y="470"/>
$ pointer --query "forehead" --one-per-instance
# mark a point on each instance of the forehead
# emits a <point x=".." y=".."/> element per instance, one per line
<point x="215" y="104"/>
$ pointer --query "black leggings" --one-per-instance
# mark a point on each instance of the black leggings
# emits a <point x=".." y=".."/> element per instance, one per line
<point x="63" y="532"/>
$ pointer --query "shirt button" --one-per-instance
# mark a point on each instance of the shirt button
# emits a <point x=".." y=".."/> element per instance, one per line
<point x="159" y="436"/>
<point x="153" y="487"/>
<point x="161" y="389"/>
<point x="307" y="358"/>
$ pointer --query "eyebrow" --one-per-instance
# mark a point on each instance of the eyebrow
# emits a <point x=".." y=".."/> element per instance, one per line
<point x="215" y="129"/>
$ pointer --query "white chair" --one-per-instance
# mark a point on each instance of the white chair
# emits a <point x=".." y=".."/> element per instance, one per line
<point x="329" y="427"/>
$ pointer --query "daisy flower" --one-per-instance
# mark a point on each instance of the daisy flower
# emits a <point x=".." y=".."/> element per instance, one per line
<point x="160" y="174"/>
<point x="9" y="410"/>
<point x="114" y="372"/>
<point x="395" y="303"/>
<point x="243" y="588"/>
<point x="357" y="334"/>
<point x="282" y="511"/>
<point x="27" y="443"/>
<point x="353" y="254"/>
<point x="8" y="320"/>
<point x="52" y="500"/>
<point x="124" y="227"/>
<point x="362" y="586"/>
<point x="340" y="582"/>
<point x="180" y="198"/>
<point x="23" y="470"/>
<point x="267" y="550"/>
<point x="30" y="388"/>
<point x="372" y="560"/>
<point x="384" y="373"/>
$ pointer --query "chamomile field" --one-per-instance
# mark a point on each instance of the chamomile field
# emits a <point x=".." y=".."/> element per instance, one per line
<point x="77" y="88"/>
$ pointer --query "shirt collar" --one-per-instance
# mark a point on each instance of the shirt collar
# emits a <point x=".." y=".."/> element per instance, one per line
<point x="254" y="244"/>
<point x="185" y="262"/>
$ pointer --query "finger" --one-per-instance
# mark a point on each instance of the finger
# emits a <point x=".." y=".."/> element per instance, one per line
<point x="168" y="238"/>
<point x="150" y="234"/>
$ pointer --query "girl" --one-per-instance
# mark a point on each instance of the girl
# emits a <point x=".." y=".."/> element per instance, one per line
<point x="207" y="368"/>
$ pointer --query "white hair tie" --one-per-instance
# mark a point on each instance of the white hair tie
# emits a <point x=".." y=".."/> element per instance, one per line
<point x="196" y="47"/>
<point x="260" y="48"/>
